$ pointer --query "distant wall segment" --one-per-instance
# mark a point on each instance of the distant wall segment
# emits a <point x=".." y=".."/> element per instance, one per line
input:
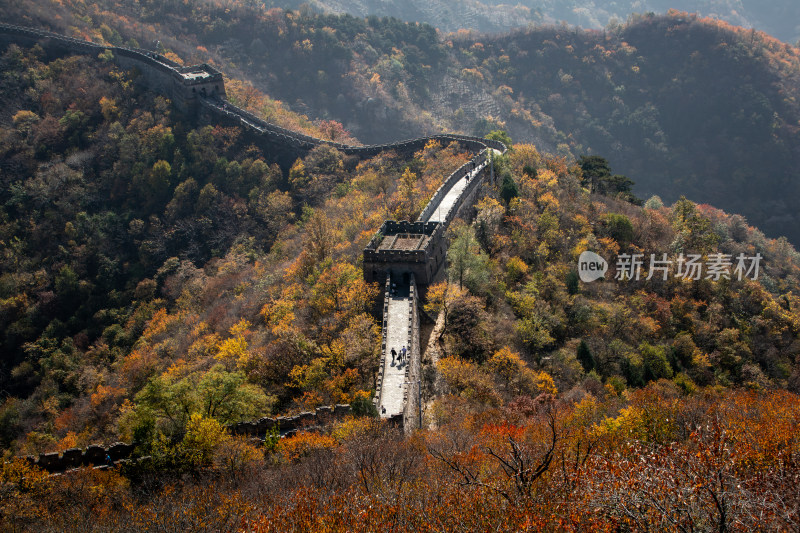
<point x="185" y="86"/>
<point x="200" y="89"/>
<point x="100" y="456"/>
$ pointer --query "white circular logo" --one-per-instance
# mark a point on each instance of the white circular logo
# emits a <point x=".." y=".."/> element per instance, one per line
<point x="591" y="267"/>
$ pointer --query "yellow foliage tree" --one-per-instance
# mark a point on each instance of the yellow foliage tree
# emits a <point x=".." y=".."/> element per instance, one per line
<point x="233" y="351"/>
<point x="516" y="376"/>
<point x="467" y="379"/>
<point x="203" y="437"/>
<point x="109" y="108"/>
<point x="303" y="445"/>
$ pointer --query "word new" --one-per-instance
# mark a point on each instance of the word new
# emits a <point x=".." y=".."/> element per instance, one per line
<point x="591" y="267"/>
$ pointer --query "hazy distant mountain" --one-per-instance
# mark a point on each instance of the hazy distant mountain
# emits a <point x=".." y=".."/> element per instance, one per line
<point x="780" y="18"/>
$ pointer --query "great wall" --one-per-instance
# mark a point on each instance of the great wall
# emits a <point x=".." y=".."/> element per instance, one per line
<point x="102" y="457"/>
<point x="404" y="256"/>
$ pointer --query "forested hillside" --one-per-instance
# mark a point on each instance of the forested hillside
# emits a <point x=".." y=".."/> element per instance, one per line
<point x="777" y="18"/>
<point x="123" y="339"/>
<point x="139" y="253"/>
<point x="118" y="215"/>
<point x="105" y="188"/>
<point x="161" y="277"/>
<point x="682" y="105"/>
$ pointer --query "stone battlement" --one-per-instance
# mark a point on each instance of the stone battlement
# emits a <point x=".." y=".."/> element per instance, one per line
<point x="98" y="456"/>
<point x="380" y="260"/>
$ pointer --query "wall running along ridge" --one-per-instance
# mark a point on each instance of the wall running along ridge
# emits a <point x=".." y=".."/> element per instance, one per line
<point x="200" y="92"/>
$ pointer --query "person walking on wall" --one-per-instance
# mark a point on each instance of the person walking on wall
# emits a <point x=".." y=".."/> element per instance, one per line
<point x="394" y="354"/>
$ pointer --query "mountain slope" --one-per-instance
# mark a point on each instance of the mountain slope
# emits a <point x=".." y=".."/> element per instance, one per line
<point x="681" y="105"/>
<point x="530" y="361"/>
<point x="775" y="18"/>
<point x="142" y="257"/>
<point x="159" y="279"/>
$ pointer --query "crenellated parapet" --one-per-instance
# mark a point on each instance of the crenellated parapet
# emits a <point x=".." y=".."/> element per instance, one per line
<point x="106" y="456"/>
<point x="94" y="455"/>
<point x="288" y="145"/>
<point x="289" y="425"/>
<point x="405" y="247"/>
<point x="476" y="162"/>
<point x="412" y="394"/>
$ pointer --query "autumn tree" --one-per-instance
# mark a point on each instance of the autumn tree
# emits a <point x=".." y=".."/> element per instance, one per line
<point x="167" y="402"/>
<point x="695" y="232"/>
<point x="409" y="196"/>
<point x="441" y="297"/>
<point x="467" y="263"/>
<point x="585" y="357"/>
<point x="515" y="375"/>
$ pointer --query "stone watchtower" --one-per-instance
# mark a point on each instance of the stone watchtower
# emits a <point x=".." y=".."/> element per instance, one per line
<point x="201" y="81"/>
<point x="405" y="247"/>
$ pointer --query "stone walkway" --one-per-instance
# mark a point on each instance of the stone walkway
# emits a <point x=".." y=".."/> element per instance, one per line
<point x="395" y="375"/>
<point x="397" y="336"/>
<point x="440" y="213"/>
